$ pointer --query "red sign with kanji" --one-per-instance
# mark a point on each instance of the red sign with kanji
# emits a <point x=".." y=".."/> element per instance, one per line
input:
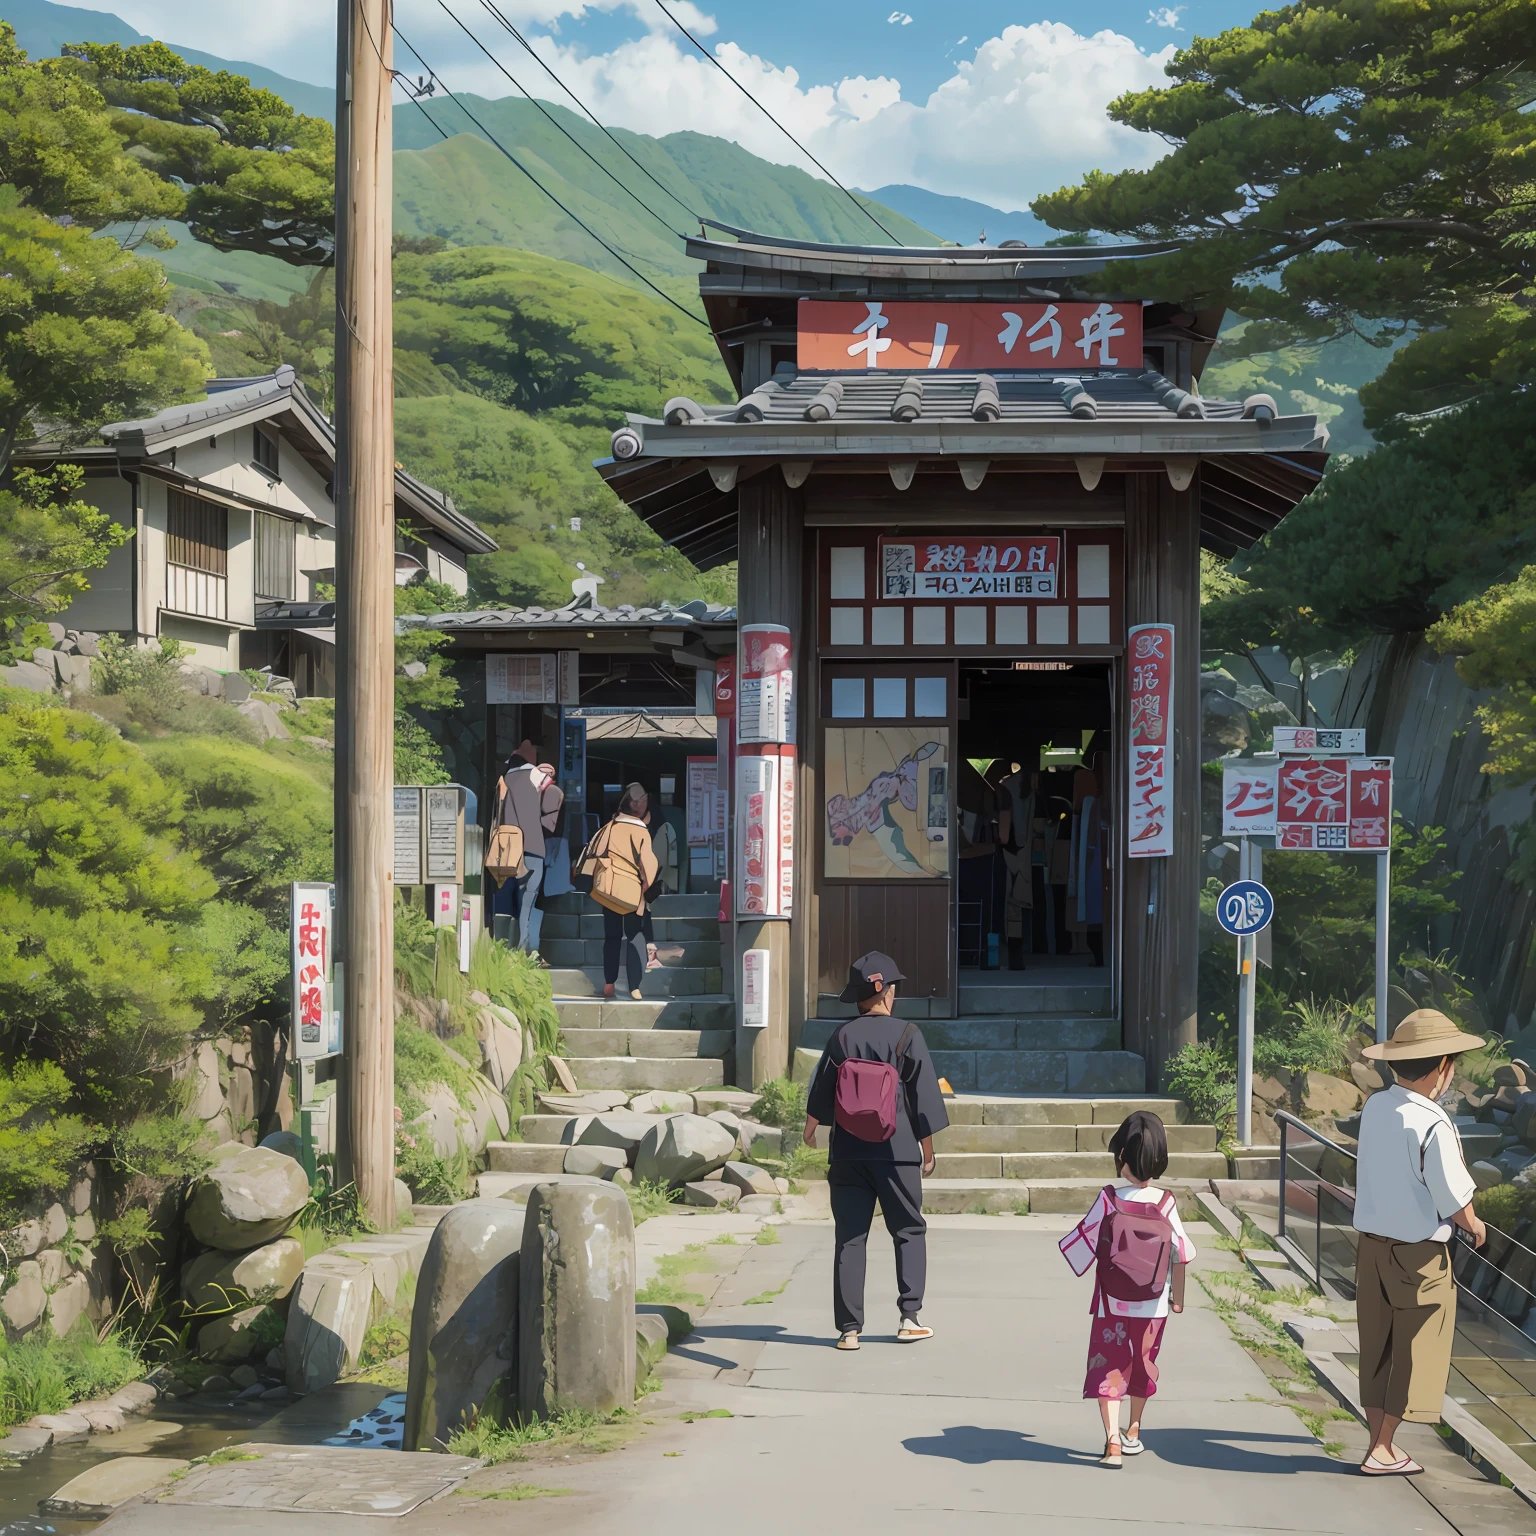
<point x="1369" y="799"/>
<point x="1312" y="809"/>
<point x="940" y="567"/>
<point x="1006" y="337"/>
<point x="1149" y="666"/>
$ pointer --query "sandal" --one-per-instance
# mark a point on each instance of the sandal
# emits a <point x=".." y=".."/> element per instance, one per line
<point x="1131" y="1445"/>
<point x="1111" y="1456"/>
<point x="849" y="1340"/>
<point x="1407" y="1467"/>
<point x="911" y="1331"/>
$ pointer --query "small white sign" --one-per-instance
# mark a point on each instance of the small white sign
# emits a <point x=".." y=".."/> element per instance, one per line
<point x="465" y="937"/>
<point x="1248" y="798"/>
<point x="1319" y="741"/>
<point x="407" y="858"/>
<point x="445" y="909"/>
<point x="754" y="989"/>
<point x="444" y="833"/>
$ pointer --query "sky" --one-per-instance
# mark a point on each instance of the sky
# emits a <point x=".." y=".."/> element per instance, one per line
<point x="981" y="99"/>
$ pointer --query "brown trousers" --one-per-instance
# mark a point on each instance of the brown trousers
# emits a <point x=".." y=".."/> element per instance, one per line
<point x="1405" y="1307"/>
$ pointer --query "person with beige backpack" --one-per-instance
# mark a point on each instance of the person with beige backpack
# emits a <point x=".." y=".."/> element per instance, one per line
<point x="625" y="874"/>
<point x="527" y="807"/>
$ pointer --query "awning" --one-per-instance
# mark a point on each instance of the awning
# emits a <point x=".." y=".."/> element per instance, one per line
<point x="641" y="726"/>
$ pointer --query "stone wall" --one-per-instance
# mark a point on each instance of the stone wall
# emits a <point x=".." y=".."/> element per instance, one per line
<point x="56" y="1271"/>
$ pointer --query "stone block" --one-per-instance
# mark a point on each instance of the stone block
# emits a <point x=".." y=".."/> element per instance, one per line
<point x="619" y="1128"/>
<point x="766" y="1141"/>
<point x="957" y="1068"/>
<point x="238" y="1336"/>
<point x="23" y="1442"/>
<point x="713" y="1195"/>
<point x="24" y="1299"/>
<point x="1486" y="1175"/>
<point x="737" y="1100"/>
<point x="137" y="1398"/>
<point x="678" y="1320"/>
<point x="595" y="1162"/>
<point x="683" y="1148"/>
<point x="651" y="1339"/>
<point x="1105" y="1072"/>
<point x="217" y="1278"/>
<point x="100" y="1490"/>
<point x="464" y="1323"/>
<point x="803" y="1068"/>
<point x="103" y="1418"/>
<point x="327" y="1317"/>
<point x="576" y="1341"/>
<point x="661" y="1102"/>
<point x="249" y="1197"/>
<point x="526" y="1157"/>
<point x="64" y="1427"/>
<point x="748" y="1179"/>
<point x="67" y="1303"/>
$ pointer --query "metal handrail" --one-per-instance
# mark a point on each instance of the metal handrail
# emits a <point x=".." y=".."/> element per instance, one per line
<point x="1285" y="1118"/>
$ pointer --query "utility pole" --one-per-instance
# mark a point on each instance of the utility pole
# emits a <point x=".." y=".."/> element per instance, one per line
<point x="364" y="494"/>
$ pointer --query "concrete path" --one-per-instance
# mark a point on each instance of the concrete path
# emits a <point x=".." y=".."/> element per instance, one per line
<point x="982" y="1427"/>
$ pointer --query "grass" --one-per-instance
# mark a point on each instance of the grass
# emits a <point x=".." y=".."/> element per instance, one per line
<point x="693" y="1415"/>
<point x="648" y="1197"/>
<point x="45" y="1374"/>
<point x="214" y="1459"/>
<point x="764" y="1297"/>
<point x="496" y="1443"/>
<point x="767" y="1237"/>
<point x="516" y="1491"/>
<point x="666" y="1286"/>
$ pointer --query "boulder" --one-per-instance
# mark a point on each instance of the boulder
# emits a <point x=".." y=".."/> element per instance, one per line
<point x="712" y="1195"/>
<point x="591" y="1101"/>
<point x="27" y="674"/>
<point x="738" y="1100"/>
<point x="595" y="1162"/>
<point x="1325" y="1095"/>
<point x="249" y="1197"/>
<point x="67" y="1303"/>
<point x="501" y="1045"/>
<point x="327" y="1317"/>
<point x="1524" y="1122"/>
<point x="204" y="1067"/>
<point x="464" y="1323"/>
<point x="24" y="1299"/>
<point x="765" y="1141"/>
<point x="289" y="1143"/>
<point x="22" y="1442"/>
<point x="239" y="1336"/>
<point x="74" y="671"/>
<point x="240" y="1098"/>
<point x="1371" y="1076"/>
<point x="576" y="1339"/>
<point x="236" y="688"/>
<point x="619" y="1128"/>
<point x="749" y="1180"/>
<point x="682" y="1148"/>
<point x="404" y="1201"/>
<point x="1510" y="1074"/>
<point x="264" y="718"/>
<point x="1271" y="1093"/>
<point x="64" y="1427"/>
<point x="660" y="1101"/>
<point x="1485" y="1175"/>
<point x="218" y="1279"/>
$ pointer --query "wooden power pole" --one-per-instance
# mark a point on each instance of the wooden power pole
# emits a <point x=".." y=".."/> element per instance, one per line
<point x="364" y="493"/>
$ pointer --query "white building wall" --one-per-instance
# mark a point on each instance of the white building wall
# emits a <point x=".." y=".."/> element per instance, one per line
<point x="107" y="604"/>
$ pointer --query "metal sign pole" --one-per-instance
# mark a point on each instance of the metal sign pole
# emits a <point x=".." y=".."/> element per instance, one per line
<point x="1246" y="956"/>
<point x="1383" y="921"/>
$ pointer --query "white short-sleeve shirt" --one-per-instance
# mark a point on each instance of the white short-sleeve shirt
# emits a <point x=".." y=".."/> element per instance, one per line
<point x="1080" y="1248"/>
<point x="1411" y="1175"/>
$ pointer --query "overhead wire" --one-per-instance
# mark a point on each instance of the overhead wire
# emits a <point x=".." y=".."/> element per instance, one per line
<point x="776" y="123"/>
<point x="555" y="122"/>
<point x="582" y="106"/>
<point x="573" y="217"/>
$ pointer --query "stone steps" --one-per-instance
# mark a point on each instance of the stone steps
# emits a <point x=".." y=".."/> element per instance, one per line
<point x="1066" y="1165"/>
<point x="1048" y="1072"/>
<point x="581" y="953"/>
<point x="639" y="1073"/>
<point x="1002" y="1032"/>
<point x="698" y="904"/>
<point x="1060" y="1196"/>
<point x="669" y="930"/>
<point x="698" y="1012"/>
<point x="653" y="1044"/>
<point x="1058" y="1001"/>
<point x="670" y="981"/>
<point x="1061" y="1138"/>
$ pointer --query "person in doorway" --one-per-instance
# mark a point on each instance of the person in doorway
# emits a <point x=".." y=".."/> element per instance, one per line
<point x="532" y="800"/>
<point x="1411" y="1187"/>
<point x="865" y="1165"/>
<point x="1139" y="1278"/>
<point x="628" y="840"/>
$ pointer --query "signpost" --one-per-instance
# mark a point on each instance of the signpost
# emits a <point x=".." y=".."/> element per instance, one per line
<point x="1244" y="910"/>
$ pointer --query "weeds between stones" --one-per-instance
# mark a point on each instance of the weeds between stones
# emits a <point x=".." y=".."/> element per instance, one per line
<point x="496" y="1443"/>
<point x="767" y="1237"/>
<point x="516" y="1491"/>
<point x="764" y="1297"/>
<point x="695" y="1414"/>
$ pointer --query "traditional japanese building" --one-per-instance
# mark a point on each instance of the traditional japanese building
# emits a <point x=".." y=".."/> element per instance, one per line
<point x="967" y="490"/>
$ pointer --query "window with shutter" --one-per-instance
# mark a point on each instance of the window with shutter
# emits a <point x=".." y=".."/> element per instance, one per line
<point x="275" y="543"/>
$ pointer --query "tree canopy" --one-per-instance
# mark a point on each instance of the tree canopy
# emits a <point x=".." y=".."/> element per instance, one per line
<point x="1333" y="162"/>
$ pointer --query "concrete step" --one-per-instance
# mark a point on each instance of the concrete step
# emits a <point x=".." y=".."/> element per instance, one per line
<point x="638" y="1073"/>
<point x="653" y="1044"/>
<point x="984" y="999"/>
<point x="589" y="952"/>
<point x="524" y="1157"/>
<point x="700" y="904"/>
<point x="1052" y="1109"/>
<point x="1004" y="1032"/>
<point x="669" y="930"/>
<point x="1042" y="1071"/>
<point x="587" y="981"/>
<point x="1066" y="1165"/>
<point x="717" y="1012"/>
<point x="1060" y="1138"/>
<point x="1062" y="1196"/>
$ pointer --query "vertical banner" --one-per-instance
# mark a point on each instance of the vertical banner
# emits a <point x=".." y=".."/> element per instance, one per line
<point x="568" y="687"/>
<point x="316" y="1015"/>
<point x="1369" y="798"/>
<point x="1312" y="809"/>
<point x="757" y="874"/>
<point x="754" y="989"/>
<point x="725" y="756"/>
<point x="765" y="704"/>
<point x="1248" y="798"/>
<point x="1149" y="662"/>
<point x="786" y="832"/>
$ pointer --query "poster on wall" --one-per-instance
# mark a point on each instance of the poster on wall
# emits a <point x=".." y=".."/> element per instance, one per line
<point x="787" y="832"/>
<point x="757" y="863"/>
<point x="765" y="703"/>
<point x="526" y="679"/>
<point x="1149" y="664"/>
<point x="701" y="801"/>
<point x="445" y="834"/>
<point x="316" y="1007"/>
<point x="1248" y="798"/>
<point x="1370" y="804"/>
<point x="1020" y="569"/>
<point x="881" y="795"/>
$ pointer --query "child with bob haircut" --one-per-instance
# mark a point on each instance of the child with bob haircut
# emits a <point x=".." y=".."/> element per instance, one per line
<point x="1136" y="1244"/>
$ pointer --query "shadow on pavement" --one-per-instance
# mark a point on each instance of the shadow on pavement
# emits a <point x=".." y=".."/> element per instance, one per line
<point x="975" y="1446"/>
<point x="1223" y="1450"/>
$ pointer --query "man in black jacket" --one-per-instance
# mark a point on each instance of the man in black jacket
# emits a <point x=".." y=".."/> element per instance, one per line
<point x="862" y="1172"/>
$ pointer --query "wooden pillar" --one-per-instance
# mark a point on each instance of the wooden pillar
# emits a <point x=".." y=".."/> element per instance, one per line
<point x="771" y="524"/>
<point x="1160" y="944"/>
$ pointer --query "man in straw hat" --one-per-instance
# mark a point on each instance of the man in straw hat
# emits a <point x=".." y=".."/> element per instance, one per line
<point x="1411" y="1184"/>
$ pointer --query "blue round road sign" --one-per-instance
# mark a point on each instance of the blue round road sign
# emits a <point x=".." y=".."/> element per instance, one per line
<point x="1245" y="907"/>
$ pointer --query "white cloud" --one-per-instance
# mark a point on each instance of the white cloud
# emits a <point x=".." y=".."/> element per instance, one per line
<point x="1167" y="16"/>
<point x="898" y="19"/>
<point x="1025" y="115"/>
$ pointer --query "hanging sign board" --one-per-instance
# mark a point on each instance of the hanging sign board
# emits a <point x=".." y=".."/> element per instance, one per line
<point x="939" y="567"/>
<point x="765" y="702"/>
<point x="316" y="1008"/>
<point x="1319" y="741"/>
<point x="1248" y="798"/>
<point x="754" y="989"/>
<point x="1369" y="796"/>
<point x="1312" y="809"/>
<point x="1008" y="337"/>
<point x="1149" y="660"/>
<point x="521" y="679"/>
<point x="725" y="687"/>
<point x="1245" y="907"/>
<point x="701" y="801"/>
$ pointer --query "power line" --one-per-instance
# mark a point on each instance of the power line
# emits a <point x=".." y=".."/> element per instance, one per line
<point x="575" y="219"/>
<point x="622" y="186"/>
<point x="776" y="123"/>
<point x="639" y="166"/>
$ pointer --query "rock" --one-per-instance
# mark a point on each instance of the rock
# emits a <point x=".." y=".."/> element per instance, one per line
<point x="98" y="1491"/>
<point x="289" y="1143"/>
<point x="597" y="1162"/>
<point x="247" y="1198"/>
<point x="1514" y="1160"/>
<point x="501" y="1045"/>
<point x="651" y="1339"/>
<point x="576" y="1339"/>
<point x="1510" y="1074"/>
<point x="1325" y="1095"/>
<point x="103" y="1418"/>
<point x="67" y="1303"/>
<point x="464" y="1324"/>
<point x="64" y="1427"/>
<point x="220" y="1279"/>
<point x="29" y="1237"/>
<point x="594" y="1101"/>
<point x="749" y="1180"/>
<point x="328" y="1315"/>
<point x="276" y="1395"/>
<point x="1485" y="1175"/>
<point x="404" y="1202"/>
<point x="237" y="1336"/>
<point x="781" y="1186"/>
<point x="678" y="1320"/>
<point x="766" y="1141"/>
<point x="236" y="688"/>
<point x="1524" y="1122"/>
<point x="738" y="1100"/>
<point x="618" y="1128"/>
<point x="23" y="1442"/>
<point x="137" y="1398"/>
<point x="216" y="1385"/>
<point x="661" y="1102"/>
<point x="1369" y="1076"/>
<point x="74" y="671"/>
<point x="760" y="1205"/>
<point x="682" y="1148"/>
<point x="711" y="1196"/>
<point x="27" y="674"/>
<point x="24" y="1298"/>
<point x="54" y="1267"/>
<point x="264" y="718"/>
<point x="55" y="1224"/>
<point x="803" y="1068"/>
<point x="1477" y="1140"/>
<point x="625" y="1176"/>
<point x="244" y="1376"/>
<point x="240" y="1098"/>
<point x="89" y="643"/>
<point x="1271" y="1093"/>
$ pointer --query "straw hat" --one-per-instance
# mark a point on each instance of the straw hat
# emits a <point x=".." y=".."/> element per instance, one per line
<point x="1425" y="1032"/>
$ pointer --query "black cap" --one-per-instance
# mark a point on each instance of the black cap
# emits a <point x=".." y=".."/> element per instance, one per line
<point x="868" y="976"/>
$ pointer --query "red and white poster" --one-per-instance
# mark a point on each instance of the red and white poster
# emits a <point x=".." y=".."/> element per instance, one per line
<point x="787" y="832"/>
<point x="757" y="872"/>
<point x="765" y="701"/>
<point x="316" y="1015"/>
<point x="725" y="688"/>
<point x="1312" y="810"/>
<point x="1370" y="804"/>
<point x="1149" y="665"/>
<point x="1008" y="337"/>
<point x="1009" y="570"/>
<point x="1249" y="794"/>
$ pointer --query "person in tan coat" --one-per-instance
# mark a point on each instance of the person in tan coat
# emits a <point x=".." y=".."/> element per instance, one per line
<point x="629" y="844"/>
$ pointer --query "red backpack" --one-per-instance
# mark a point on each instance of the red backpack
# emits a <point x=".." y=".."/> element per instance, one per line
<point x="867" y="1092"/>
<point x="1135" y="1248"/>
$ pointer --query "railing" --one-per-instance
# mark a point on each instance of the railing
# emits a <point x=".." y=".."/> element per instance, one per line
<point x="202" y="593"/>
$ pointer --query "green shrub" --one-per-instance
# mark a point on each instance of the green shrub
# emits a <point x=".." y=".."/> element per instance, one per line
<point x="782" y="1103"/>
<point x="45" y="1374"/>
<point x="1504" y="1206"/>
<point x="1205" y="1077"/>
<point x="433" y="1180"/>
<point x="1309" y="1036"/>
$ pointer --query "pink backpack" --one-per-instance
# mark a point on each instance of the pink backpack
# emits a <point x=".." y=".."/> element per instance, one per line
<point x="1135" y="1248"/>
<point x="867" y="1093"/>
